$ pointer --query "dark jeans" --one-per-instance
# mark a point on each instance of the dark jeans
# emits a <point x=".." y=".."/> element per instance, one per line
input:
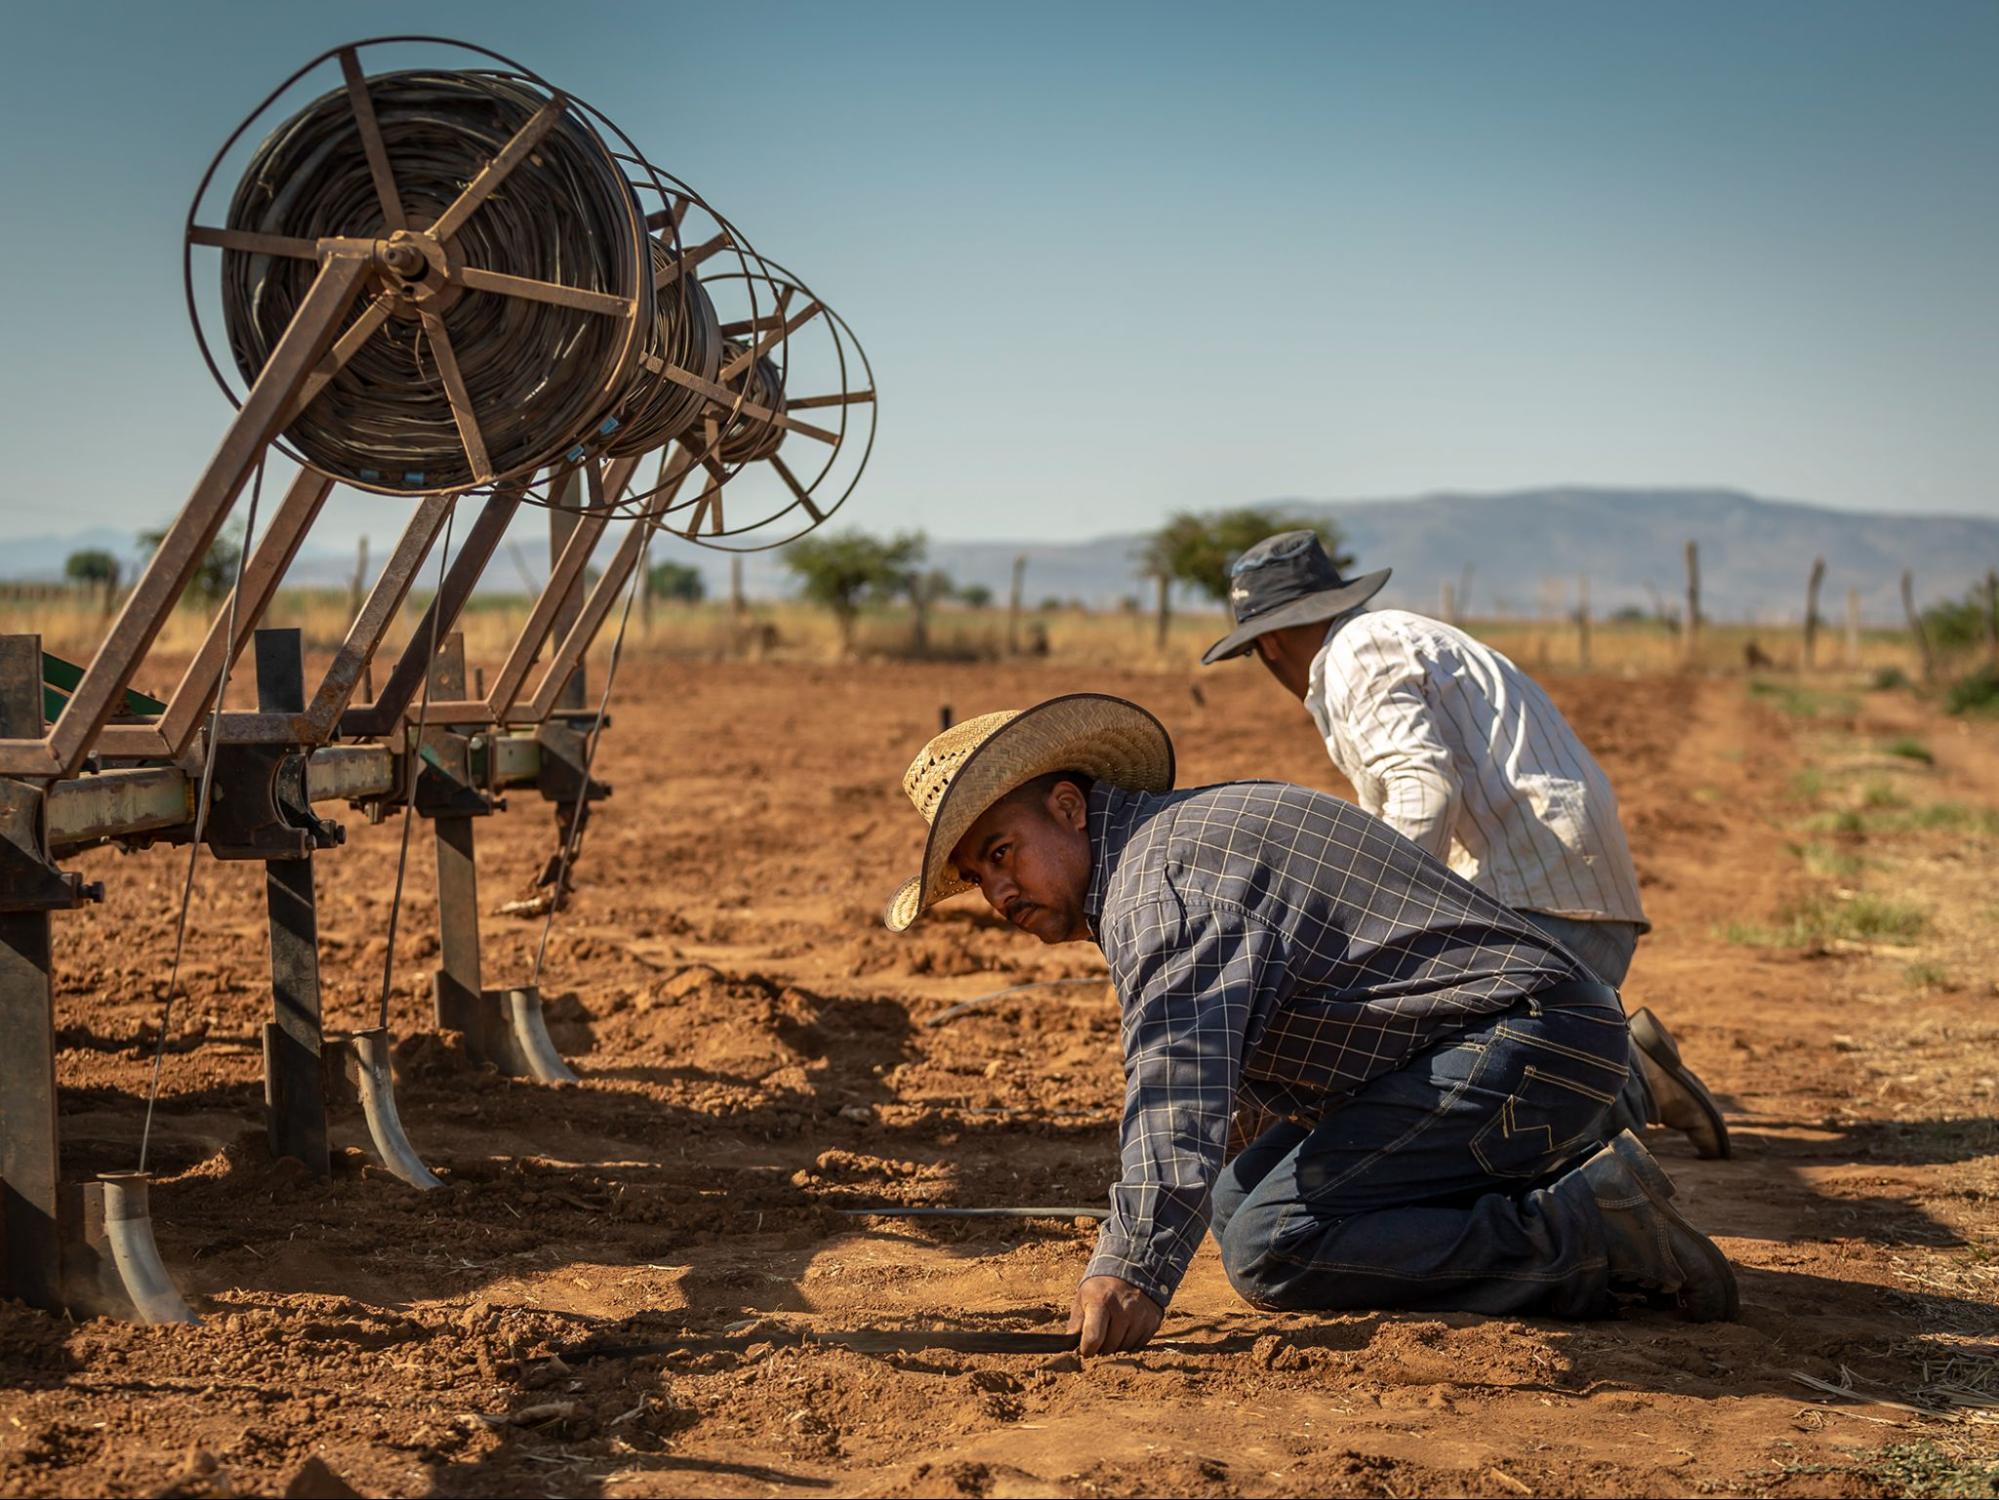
<point x="1435" y="1186"/>
<point x="1605" y="949"/>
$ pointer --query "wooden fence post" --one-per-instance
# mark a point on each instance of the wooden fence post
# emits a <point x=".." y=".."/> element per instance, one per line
<point x="1992" y="615"/>
<point x="1916" y="626"/>
<point x="738" y="607"/>
<point x="1013" y="606"/>
<point x="1853" y="627"/>
<point x="1812" y="610"/>
<point x="919" y="615"/>
<point x="1582" y="621"/>
<point x="1690" y="636"/>
<point x="1165" y="610"/>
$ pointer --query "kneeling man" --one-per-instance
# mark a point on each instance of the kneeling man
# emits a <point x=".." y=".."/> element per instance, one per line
<point x="1429" y="1073"/>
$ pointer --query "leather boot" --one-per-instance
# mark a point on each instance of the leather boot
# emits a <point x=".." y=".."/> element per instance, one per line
<point x="1681" y="1100"/>
<point x="1652" y="1248"/>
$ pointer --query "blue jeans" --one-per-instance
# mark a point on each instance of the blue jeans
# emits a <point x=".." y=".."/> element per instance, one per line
<point x="1605" y="949"/>
<point x="1440" y="1186"/>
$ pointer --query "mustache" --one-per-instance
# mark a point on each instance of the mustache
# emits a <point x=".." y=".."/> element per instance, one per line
<point x="1015" y="907"/>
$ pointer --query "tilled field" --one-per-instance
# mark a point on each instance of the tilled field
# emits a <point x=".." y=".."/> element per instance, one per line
<point x="757" y="1059"/>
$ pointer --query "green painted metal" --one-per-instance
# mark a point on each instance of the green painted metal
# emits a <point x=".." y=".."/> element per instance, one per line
<point x="59" y="680"/>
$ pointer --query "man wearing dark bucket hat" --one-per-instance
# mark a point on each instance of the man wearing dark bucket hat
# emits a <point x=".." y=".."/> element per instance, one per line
<point x="1438" y="1069"/>
<point x="1460" y="751"/>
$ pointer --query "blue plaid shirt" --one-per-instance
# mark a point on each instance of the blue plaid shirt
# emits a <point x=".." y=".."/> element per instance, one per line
<point x="1273" y="949"/>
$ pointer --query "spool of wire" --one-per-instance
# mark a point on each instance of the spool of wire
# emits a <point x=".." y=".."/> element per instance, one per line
<point x="540" y="377"/>
<point x="751" y="435"/>
<point x="686" y="334"/>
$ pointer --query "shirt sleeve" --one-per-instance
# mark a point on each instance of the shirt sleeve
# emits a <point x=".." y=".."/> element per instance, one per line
<point x="1399" y="740"/>
<point x="1188" y="985"/>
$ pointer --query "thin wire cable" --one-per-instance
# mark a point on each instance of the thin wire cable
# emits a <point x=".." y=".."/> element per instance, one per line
<point x="201" y="801"/>
<point x="416" y="766"/>
<point x="590" y="756"/>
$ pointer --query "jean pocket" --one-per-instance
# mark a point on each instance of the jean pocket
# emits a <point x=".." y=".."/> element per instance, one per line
<point x="1540" y="1125"/>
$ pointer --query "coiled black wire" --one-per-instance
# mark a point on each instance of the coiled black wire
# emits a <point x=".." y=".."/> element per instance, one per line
<point x="751" y="437"/>
<point x="541" y="377"/>
<point x="685" y="332"/>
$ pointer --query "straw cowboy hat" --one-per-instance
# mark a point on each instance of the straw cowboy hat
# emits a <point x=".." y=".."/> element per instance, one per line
<point x="970" y="766"/>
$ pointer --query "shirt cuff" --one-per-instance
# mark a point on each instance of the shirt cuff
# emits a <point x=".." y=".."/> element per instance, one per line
<point x="1126" y="1261"/>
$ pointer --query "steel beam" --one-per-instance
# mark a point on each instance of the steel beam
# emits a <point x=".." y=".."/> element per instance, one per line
<point x="116" y="804"/>
<point x="561" y="522"/>
<point x="455" y="988"/>
<point x="349" y="773"/>
<point x="30" y="1161"/>
<point x="294" y="1074"/>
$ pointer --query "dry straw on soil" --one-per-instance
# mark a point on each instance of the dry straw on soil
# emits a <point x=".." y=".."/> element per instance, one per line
<point x="72" y="622"/>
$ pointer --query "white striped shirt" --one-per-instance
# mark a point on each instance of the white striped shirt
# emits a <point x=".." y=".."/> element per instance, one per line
<point x="1460" y="751"/>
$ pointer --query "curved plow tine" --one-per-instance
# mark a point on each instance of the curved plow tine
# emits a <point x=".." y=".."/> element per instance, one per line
<point x="135" y="1258"/>
<point x="527" y="1039"/>
<point x="367" y="1063"/>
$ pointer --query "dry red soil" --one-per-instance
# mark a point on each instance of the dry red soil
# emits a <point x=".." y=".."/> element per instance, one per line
<point x="755" y="1058"/>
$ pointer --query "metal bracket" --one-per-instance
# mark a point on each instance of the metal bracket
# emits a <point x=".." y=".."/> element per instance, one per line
<point x="564" y="743"/>
<point x="448" y="785"/>
<point x="29" y="879"/>
<point x="258" y="807"/>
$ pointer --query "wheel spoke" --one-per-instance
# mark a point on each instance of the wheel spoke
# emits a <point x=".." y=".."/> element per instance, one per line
<point x="344" y="349"/>
<point x="751" y="325"/>
<point x="777" y="335"/>
<point x="460" y="398"/>
<point x="674" y="464"/>
<point x="496" y="171"/>
<point x="722" y="396"/>
<point x="845" y="398"/>
<point x="791" y="482"/>
<point x="669" y="218"/>
<point x="371" y="140"/>
<point x="709" y="507"/>
<point x="554" y="292"/>
<point x="249" y="242"/>
<point x="689" y="259"/>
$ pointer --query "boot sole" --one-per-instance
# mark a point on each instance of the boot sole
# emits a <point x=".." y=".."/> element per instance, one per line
<point x="1658" y="1188"/>
<point x="1652" y="1039"/>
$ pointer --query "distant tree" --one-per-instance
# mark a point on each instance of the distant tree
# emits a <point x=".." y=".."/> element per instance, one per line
<point x="842" y="570"/>
<point x="975" y="596"/>
<point x="1957" y="624"/>
<point x="1050" y="603"/>
<point x="1198" y="550"/>
<point x="93" y="565"/>
<point x="672" y="580"/>
<point x="216" y="575"/>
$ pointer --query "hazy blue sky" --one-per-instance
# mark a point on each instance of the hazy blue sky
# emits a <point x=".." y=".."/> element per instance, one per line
<point x="1114" y="260"/>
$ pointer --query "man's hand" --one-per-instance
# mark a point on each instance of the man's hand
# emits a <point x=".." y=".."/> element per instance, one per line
<point x="1113" y="1316"/>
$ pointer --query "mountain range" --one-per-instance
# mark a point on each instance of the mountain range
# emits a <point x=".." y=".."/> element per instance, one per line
<point x="1523" y="551"/>
<point x="1520" y="552"/>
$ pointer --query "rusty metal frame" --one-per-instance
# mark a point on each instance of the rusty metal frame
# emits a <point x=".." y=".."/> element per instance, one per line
<point x="61" y="750"/>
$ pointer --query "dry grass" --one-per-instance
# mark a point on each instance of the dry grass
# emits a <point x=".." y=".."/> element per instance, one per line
<point x="72" y="623"/>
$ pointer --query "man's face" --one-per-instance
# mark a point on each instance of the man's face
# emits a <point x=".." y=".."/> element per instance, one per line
<point x="1029" y="855"/>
